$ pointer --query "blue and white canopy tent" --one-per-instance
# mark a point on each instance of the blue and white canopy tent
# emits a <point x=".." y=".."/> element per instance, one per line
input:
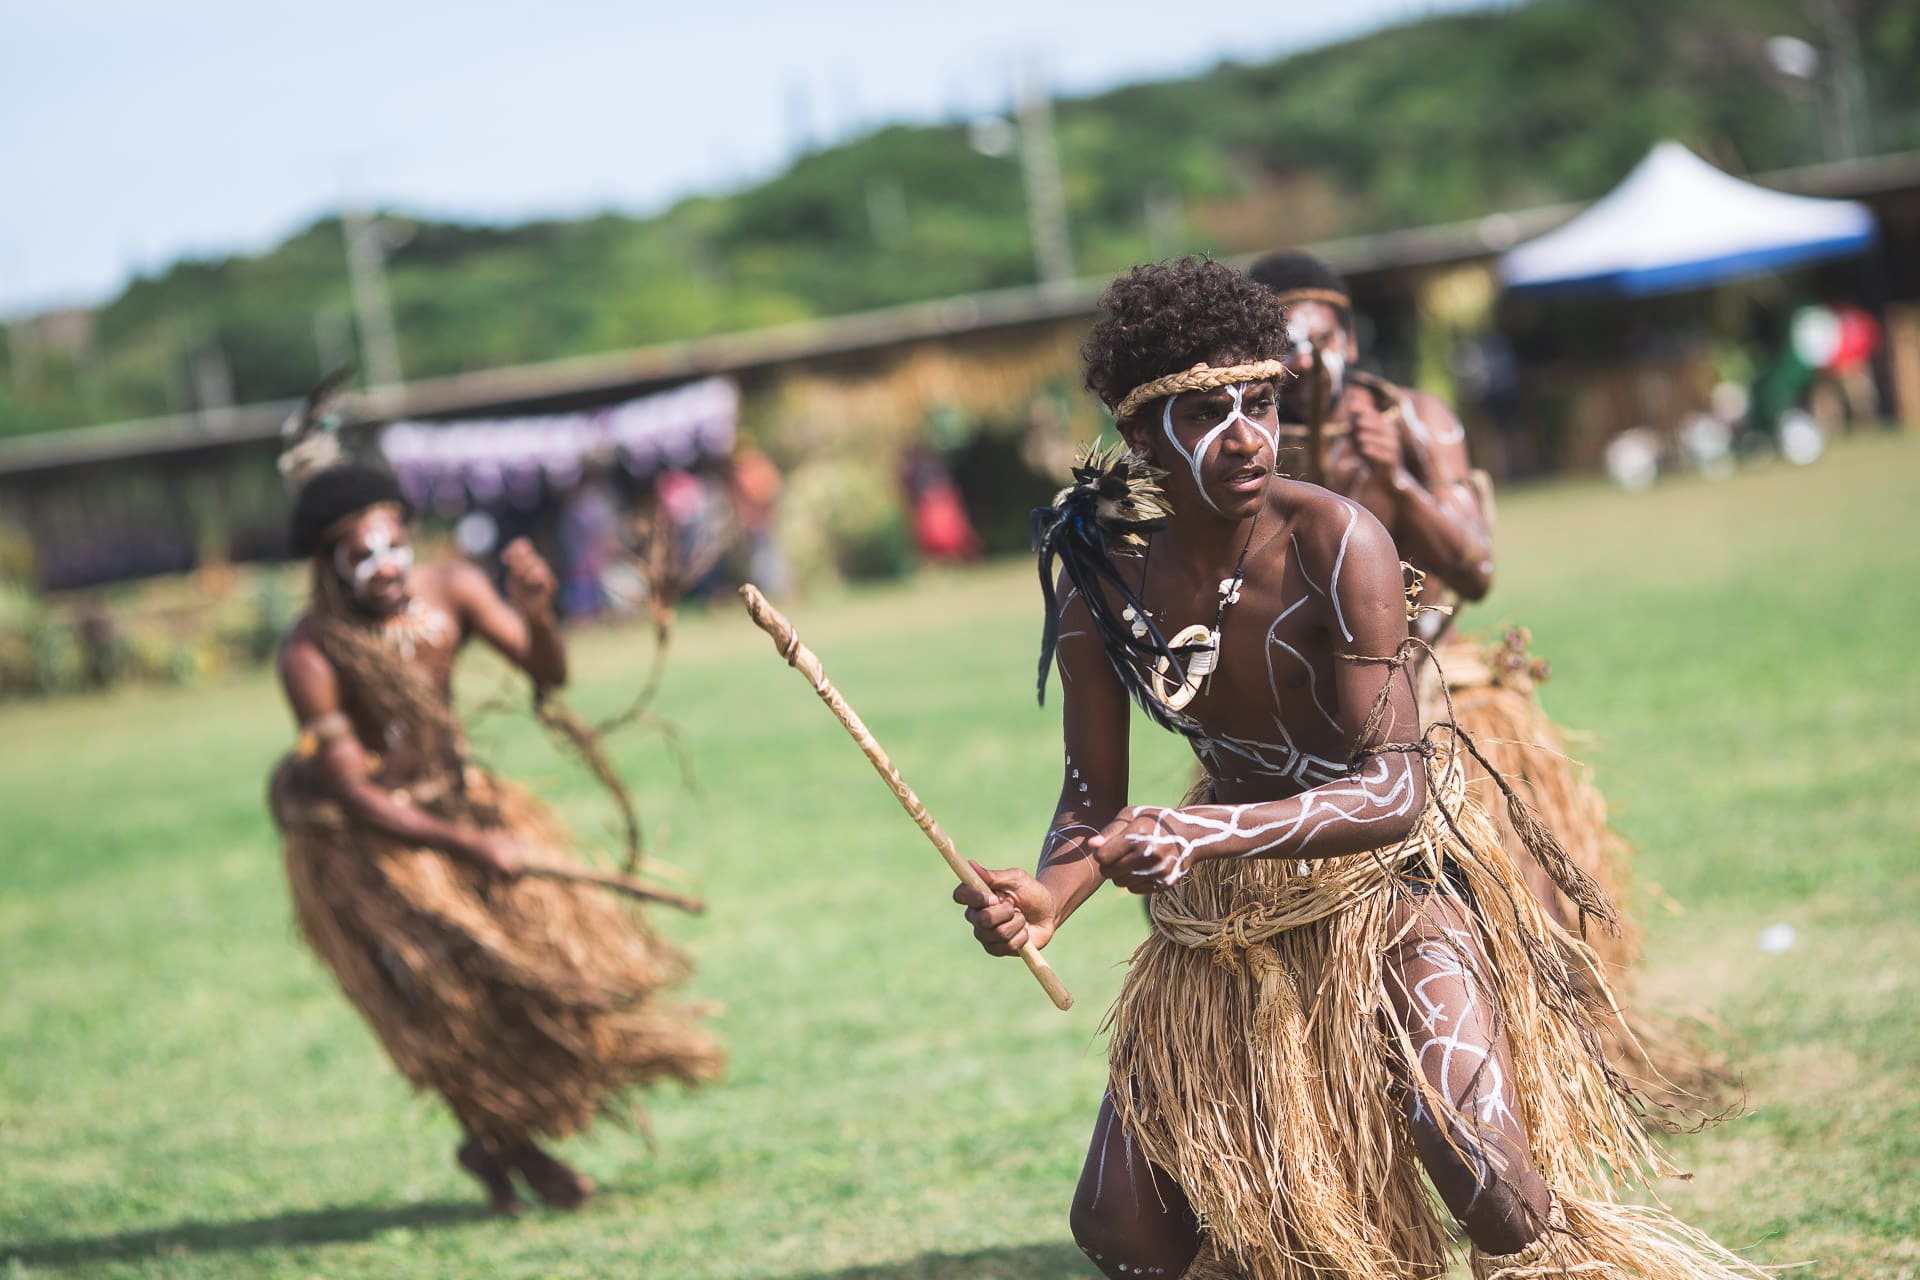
<point x="1677" y="223"/>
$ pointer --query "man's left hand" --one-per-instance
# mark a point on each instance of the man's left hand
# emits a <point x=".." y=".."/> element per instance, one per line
<point x="1375" y="435"/>
<point x="530" y="582"/>
<point x="1143" y="849"/>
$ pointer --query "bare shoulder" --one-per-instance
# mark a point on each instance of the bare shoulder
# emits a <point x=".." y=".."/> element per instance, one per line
<point x="303" y="667"/>
<point x="1329" y="530"/>
<point x="459" y="586"/>
<point x="298" y="648"/>
<point x="1435" y="412"/>
<point x="455" y="578"/>
<point x="1441" y="427"/>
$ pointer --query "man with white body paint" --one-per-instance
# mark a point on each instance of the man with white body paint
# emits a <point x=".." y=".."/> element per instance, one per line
<point x="1321" y="1011"/>
<point x="1399" y="452"/>
<point x="1402" y="454"/>
<point x="528" y="1005"/>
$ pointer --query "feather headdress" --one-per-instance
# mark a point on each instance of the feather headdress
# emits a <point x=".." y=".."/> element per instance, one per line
<point x="1114" y="502"/>
<point x="309" y="438"/>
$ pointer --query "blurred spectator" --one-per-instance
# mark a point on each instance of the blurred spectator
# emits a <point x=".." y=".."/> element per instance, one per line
<point x="692" y="514"/>
<point x="589" y="541"/>
<point x="756" y="495"/>
<point x="1851" y="364"/>
<point x="941" y="528"/>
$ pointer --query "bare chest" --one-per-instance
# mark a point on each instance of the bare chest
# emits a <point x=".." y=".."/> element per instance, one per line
<point x="1270" y="702"/>
<point x="418" y="645"/>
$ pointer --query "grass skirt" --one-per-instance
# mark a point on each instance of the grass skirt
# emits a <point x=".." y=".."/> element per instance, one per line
<point x="1493" y="697"/>
<point x="530" y="1005"/>
<point x="1492" y="691"/>
<point x="1255" y="1059"/>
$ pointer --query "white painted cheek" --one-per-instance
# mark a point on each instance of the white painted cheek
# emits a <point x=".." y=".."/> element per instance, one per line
<point x="1336" y="370"/>
<point x="381" y="554"/>
<point x="1199" y="452"/>
<point x="1198" y="456"/>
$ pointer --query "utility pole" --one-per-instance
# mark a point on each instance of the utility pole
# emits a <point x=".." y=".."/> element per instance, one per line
<point x="367" y="277"/>
<point x="23" y="354"/>
<point x="1846" y="80"/>
<point x="1040" y="174"/>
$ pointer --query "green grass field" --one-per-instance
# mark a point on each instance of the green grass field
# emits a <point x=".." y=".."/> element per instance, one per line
<point x="184" y="1093"/>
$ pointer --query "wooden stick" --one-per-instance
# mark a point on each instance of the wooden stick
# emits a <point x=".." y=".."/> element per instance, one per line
<point x="802" y="659"/>
<point x="618" y="883"/>
<point x="1319" y="407"/>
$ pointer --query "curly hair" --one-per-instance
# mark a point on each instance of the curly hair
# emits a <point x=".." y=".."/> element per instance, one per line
<point x="1164" y="317"/>
<point x="1293" y="269"/>
<point x="335" y="494"/>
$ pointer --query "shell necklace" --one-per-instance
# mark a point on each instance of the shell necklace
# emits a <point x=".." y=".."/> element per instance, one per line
<point x="417" y="625"/>
<point x="1202" y="642"/>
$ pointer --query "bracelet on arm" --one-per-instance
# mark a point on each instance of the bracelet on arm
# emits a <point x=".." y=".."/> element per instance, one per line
<point x="318" y="732"/>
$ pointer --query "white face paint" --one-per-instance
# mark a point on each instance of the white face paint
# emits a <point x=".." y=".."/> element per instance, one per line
<point x="1336" y="370"/>
<point x="380" y="555"/>
<point x="1198" y="454"/>
<point x="1306" y="343"/>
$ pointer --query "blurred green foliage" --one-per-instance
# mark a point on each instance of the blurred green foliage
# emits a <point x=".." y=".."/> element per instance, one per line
<point x="1447" y="118"/>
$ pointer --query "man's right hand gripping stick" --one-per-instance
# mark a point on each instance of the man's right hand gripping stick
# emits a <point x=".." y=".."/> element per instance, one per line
<point x="802" y="659"/>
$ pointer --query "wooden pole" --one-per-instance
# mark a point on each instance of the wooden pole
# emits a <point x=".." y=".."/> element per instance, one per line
<point x="1319" y="406"/>
<point x="802" y="659"/>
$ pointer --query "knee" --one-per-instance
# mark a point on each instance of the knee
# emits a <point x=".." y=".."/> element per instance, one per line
<point x="1117" y="1243"/>
<point x="1096" y="1229"/>
<point x="1509" y="1213"/>
<point x="1491" y="1189"/>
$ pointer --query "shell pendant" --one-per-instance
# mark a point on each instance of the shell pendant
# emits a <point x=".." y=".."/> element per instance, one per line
<point x="1205" y="659"/>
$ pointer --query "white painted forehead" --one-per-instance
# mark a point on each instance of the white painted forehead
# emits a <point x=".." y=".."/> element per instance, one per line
<point x="1237" y="413"/>
<point x="1238" y="390"/>
<point x="383" y="528"/>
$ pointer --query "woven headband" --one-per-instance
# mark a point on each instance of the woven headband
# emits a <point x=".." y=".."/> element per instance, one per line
<point x="1201" y="377"/>
<point x="1332" y="297"/>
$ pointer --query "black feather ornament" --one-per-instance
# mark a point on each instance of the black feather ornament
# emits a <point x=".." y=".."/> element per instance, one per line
<point x="1113" y="503"/>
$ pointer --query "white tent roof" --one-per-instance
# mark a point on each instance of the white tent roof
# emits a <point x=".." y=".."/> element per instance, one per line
<point x="1675" y="223"/>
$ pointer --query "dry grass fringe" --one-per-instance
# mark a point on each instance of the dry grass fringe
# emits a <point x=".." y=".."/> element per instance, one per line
<point x="1490" y="691"/>
<point x="1584" y="1240"/>
<point x="531" y="1006"/>
<point x="1522" y="745"/>
<point x="1254" y="1057"/>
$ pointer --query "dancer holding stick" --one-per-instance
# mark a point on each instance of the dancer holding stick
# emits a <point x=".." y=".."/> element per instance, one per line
<point x="1348" y="985"/>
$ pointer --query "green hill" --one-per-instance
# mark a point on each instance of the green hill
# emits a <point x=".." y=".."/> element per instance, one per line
<point x="1445" y="118"/>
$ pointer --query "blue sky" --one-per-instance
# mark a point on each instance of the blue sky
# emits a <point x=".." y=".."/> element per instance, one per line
<point x="133" y="132"/>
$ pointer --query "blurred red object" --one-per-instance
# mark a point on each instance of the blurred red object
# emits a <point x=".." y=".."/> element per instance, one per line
<point x="940" y="524"/>
<point x="1859" y="338"/>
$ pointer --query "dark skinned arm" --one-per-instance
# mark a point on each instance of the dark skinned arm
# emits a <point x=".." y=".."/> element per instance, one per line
<point x="524" y="632"/>
<point x="313" y="690"/>
<point x="1426" y="488"/>
<point x="1093" y="786"/>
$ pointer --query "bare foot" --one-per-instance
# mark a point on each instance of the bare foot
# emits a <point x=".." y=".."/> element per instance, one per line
<point x="502" y="1199"/>
<point x="553" y="1180"/>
